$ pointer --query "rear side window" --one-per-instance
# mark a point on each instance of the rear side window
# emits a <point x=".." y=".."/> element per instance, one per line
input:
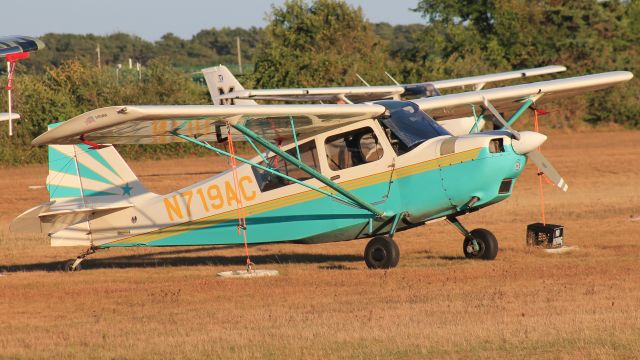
<point x="352" y="148"/>
<point x="268" y="181"/>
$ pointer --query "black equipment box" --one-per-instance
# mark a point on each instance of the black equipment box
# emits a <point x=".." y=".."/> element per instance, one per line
<point x="546" y="235"/>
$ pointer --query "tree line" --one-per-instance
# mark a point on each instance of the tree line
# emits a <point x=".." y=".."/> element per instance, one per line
<point x="329" y="43"/>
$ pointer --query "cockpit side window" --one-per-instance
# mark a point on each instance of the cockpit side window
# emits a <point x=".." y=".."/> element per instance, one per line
<point x="268" y="181"/>
<point x="352" y="148"/>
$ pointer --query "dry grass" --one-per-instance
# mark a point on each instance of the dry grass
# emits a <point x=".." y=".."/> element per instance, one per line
<point x="152" y="303"/>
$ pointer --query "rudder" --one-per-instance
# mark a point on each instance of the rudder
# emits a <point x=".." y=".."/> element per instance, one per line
<point x="99" y="175"/>
<point x="221" y="81"/>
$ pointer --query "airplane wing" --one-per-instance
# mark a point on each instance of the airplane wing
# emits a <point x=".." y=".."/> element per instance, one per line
<point x="153" y="124"/>
<point x="481" y="80"/>
<point x="359" y="94"/>
<point x="5" y="116"/>
<point x="17" y="44"/>
<point x="354" y="94"/>
<point x="510" y="98"/>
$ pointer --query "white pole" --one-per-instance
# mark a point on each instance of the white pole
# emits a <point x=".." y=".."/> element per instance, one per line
<point x="239" y="54"/>
<point x="9" y="96"/>
<point x="99" y="62"/>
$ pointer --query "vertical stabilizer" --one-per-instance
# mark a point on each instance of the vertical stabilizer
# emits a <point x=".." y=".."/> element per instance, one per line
<point x="221" y="81"/>
<point x="92" y="194"/>
<point x="84" y="175"/>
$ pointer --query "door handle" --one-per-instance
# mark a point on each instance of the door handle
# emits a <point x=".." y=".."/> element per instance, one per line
<point x="335" y="177"/>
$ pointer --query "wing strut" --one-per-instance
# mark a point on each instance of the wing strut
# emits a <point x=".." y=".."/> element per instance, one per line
<point x="309" y="170"/>
<point x="359" y="202"/>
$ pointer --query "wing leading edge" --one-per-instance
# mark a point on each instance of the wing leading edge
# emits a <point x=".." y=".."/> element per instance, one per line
<point x="511" y="97"/>
<point x="150" y="124"/>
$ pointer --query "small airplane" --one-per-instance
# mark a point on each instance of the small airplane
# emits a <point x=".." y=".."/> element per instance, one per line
<point x="225" y="89"/>
<point x="322" y="172"/>
<point x="14" y="48"/>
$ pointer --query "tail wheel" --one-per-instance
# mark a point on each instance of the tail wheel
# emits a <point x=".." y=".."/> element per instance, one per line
<point x="381" y="253"/>
<point x="485" y="247"/>
<point x="68" y="266"/>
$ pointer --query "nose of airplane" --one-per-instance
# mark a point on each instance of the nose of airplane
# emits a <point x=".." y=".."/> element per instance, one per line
<point x="529" y="141"/>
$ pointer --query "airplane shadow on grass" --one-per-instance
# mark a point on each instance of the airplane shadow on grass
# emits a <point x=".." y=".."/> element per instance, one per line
<point x="177" y="258"/>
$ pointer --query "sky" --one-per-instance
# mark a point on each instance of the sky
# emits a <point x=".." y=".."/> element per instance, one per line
<point x="150" y="19"/>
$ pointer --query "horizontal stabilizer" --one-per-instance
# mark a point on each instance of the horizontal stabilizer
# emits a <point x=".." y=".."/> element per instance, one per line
<point x="42" y="219"/>
<point x="50" y="216"/>
<point x="5" y="116"/>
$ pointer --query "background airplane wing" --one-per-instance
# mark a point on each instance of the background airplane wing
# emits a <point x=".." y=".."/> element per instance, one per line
<point x="17" y="44"/>
<point x="358" y="94"/>
<point x="354" y="94"/>
<point x="481" y="80"/>
<point x="153" y="124"/>
<point x="510" y="98"/>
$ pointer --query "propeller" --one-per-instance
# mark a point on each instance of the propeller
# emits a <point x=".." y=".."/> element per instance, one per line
<point x="546" y="168"/>
<point x="527" y="143"/>
<point x="498" y="119"/>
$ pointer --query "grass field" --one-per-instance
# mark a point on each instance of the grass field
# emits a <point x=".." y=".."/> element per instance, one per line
<point x="167" y="303"/>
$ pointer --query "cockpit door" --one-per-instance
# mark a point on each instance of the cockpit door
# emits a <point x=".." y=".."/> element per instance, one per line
<point x="359" y="158"/>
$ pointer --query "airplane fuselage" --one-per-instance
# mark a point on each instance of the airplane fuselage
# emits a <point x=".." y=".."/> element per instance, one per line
<point x="437" y="178"/>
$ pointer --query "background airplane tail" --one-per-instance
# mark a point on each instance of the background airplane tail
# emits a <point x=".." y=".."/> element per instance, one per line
<point x="221" y="81"/>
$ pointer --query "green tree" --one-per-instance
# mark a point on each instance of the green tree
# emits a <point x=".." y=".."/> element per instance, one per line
<point x="467" y="37"/>
<point x="324" y="43"/>
<point x="75" y="87"/>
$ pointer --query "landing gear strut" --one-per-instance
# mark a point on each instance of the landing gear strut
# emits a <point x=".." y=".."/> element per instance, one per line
<point x="74" y="265"/>
<point x="478" y="243"/>
<point x="381" y="253"/>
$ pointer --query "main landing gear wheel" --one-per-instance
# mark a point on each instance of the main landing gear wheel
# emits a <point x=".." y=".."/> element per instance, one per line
<point x="485" y="247"/>
<point x="381" y="253"/>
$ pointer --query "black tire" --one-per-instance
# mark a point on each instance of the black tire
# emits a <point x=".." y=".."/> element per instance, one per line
<point x="487" y="243"/>
<point x="68" y="266"/>
<point x="381" y="253"/>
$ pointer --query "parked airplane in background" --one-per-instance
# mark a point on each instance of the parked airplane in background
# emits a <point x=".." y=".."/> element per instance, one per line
<point x="7" y="116"/>
<point x="322" y="173"/>
<point x="225" y="89"/>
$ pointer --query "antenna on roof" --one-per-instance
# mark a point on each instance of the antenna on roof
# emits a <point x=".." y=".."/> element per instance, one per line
<point x="392" y="79"/>
<point x="361" y="79"/>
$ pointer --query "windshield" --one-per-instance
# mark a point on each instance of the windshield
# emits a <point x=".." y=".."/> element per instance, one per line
<point x="409" y="126"/>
